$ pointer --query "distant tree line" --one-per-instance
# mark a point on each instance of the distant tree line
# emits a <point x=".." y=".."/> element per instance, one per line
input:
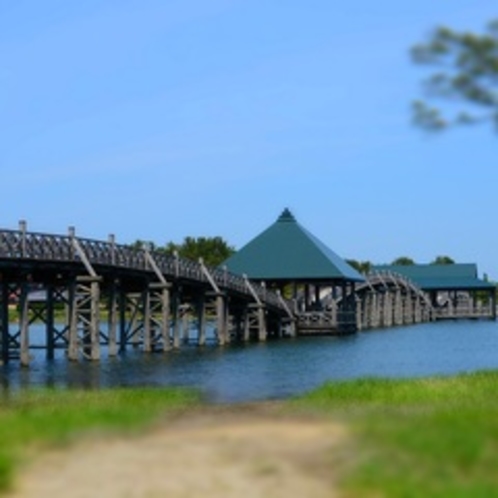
<point x="365" y="266"/>
<point x="215" y="250"/>
<point x="212" y="250"/>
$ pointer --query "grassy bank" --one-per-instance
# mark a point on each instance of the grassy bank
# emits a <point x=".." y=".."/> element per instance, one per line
<point x="39" y="419"/>
<point x="433" y="437"/>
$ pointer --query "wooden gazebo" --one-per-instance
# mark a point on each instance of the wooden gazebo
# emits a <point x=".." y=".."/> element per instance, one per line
<point x="288" y="257"/>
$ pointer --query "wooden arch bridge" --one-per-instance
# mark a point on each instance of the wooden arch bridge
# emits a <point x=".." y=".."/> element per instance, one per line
<point x="94" y="294"/>
<point x="142" y="295"/>
<point x="389" y="299"/>
<point x="384" y="299"/>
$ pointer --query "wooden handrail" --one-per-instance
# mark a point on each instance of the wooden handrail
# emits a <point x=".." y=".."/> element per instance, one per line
<point x="25" y="245"/>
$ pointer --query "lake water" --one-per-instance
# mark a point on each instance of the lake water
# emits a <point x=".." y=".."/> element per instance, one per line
<point x="281" y="368"/>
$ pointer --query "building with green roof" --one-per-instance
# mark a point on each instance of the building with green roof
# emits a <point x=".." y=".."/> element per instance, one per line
<point x="455" y="290"/>
<point x="288" y="257"/>
<point x="286" y="252"/>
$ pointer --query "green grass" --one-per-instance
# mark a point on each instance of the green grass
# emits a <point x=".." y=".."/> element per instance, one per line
<point x="45" y="418"/>
<point x="433" y="437"/>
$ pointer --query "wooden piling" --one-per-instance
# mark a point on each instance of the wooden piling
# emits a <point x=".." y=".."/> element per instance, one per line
<point x="262" y="330"/>
<point x="221" y="320"/>
<point x="176" y="318"/>
<point x="49" y="322"/>
<point x="24" y="326"/>
<point x="112" y="321"/>
<point x="147" y="322"/>
<point x="201" y="320"/>
<point x="165" y="315"/>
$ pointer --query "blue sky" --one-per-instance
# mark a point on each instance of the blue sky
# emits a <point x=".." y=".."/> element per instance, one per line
<point x="159" y="119"/>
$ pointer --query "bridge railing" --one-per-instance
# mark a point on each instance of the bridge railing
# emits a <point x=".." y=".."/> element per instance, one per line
<point x="20" y="244"/>
<point x="106" y="253"/>
<point x="38" y="246"/>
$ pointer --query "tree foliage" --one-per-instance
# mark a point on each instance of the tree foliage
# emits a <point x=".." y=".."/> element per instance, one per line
<point x="403" y="261"/>
<point x="360" y="266"/>
<point x="443" y="260"/>
<point x="465" y="77"/>
<point x="140" y="244"/>
<point x="213" y="250"/>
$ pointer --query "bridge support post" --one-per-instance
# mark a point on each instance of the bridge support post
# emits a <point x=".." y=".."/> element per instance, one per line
<point x="405" y="317"/>
<point x="201" y="320"/>
<point x="176" y="319"/>
<point x="165" y="306"/>
<point x="147" y="323"/>
<point x="388" y="310"/>
<point x="259" y="310"/>
<point x="381" y="298"/>
<point x="254" y="318"/>
<point x="178" y="329"/>
<point x="365" y="305"/>
<point x="24" y="326"/>
<point x="334" y="314"/>
<point x="359" y="313"/>
<point x="94" y="325"/>
<point x="221" y="322"/>
<point x="376" y="298"/>
<point x="409" y="310"/>
<point x="182" y="328"/>
<point x="185" y="324"/>
<point x="113" y="320"/>
<point x="262" y="331"/>
<point x="377" y="303"/>
<point x="136" y="303"/>
<point x="122" y="320"/>
<point x="368" y="320"/>
<point x="291" y="328"/>
<point x="391" y="302"/>
<point x="246" y="334"/>
<point x="398" y="308"/>
<point x="417" y="313"/>
<point x="131" y="318"/>
<point x="228" y="319"/>
<point x="156" y="304"/>
<point x="49" y="325"/>
<point x="84" y="333"/>
<point x="417" y="309"/>
<point x="237" y="325"/>
<point x="158" y="307"/>
<point x="367" y="310"/>
<point x="95" y="320"/>
<point x="72" y="348"/>
<point x="385" y="310"/>
<point x="4" y="321"/>
<point x="406" y="311"/>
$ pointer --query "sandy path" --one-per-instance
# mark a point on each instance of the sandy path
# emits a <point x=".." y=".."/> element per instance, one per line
<point x="216" y="453"/>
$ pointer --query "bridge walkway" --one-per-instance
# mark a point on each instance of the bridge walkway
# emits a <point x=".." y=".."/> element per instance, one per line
<point x="145" y="297"/>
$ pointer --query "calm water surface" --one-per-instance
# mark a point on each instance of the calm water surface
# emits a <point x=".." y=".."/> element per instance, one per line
<point x="278" y="369"/>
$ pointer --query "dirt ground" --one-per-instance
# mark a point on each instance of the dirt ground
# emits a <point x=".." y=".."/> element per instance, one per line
<point x="223" y="452"/>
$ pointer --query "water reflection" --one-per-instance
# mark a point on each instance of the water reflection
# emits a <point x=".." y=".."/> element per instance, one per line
<point x="275" y="369"/>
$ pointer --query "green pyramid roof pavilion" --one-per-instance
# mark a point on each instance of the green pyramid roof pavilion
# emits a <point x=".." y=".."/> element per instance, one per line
<point x="286" y="251"/>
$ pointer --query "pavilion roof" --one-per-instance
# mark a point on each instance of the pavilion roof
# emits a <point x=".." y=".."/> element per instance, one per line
<point x="286" y="251"/>
<point x="441" y="277"/>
